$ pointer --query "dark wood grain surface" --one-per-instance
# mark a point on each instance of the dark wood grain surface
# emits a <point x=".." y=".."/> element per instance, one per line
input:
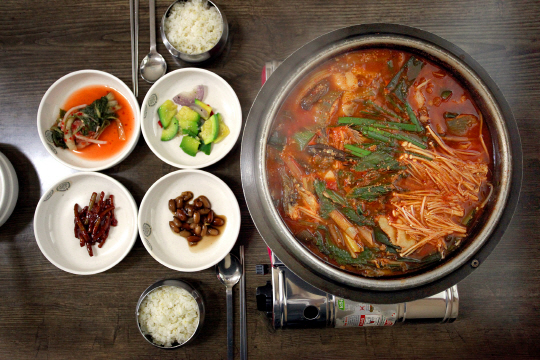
<point x="46" y="313"/>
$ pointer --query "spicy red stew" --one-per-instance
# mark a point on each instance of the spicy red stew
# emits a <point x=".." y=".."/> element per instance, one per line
<point x="379" y="162"/>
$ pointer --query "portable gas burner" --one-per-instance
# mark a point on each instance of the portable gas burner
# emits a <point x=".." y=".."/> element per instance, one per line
<point x="290" y="302"/>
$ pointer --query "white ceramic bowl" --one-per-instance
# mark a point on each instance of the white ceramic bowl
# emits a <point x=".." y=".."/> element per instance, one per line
<point x="9" y="188"/>
<point x="219" y="95"/>
<point x="53" y="224"/>
<point x="169" y="248"/>
<point x="54" y="99"/>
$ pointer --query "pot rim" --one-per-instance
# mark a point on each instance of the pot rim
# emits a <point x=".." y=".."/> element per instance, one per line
<point x="298" y="258"/>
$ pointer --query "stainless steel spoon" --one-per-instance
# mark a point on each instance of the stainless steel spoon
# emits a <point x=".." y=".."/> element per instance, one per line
<point x="153" y="65"/>
<point x="229" y="272"/>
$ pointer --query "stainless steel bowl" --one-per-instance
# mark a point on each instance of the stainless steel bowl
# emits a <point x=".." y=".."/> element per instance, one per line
<point x="182" y="285"/>
<point x="215" y="51"/>
<point x="506" y="176"/>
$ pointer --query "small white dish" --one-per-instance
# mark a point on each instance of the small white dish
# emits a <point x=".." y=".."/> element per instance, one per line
<point x="171" y="249"/>
<point x="57" y="95"/>
<point x="53" y="224"/>
<point x="218" y="94"/>
<point x="9" y="189"/>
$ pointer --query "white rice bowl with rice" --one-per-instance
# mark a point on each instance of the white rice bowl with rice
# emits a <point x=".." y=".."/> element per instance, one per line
<point x="193" y="26"/>
<point x="169" y="314"/>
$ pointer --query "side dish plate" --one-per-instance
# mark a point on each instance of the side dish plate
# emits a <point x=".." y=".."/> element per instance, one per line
<point x="54" y="224"/>
<point x="172" y="250"/>
<point x="54" y="99"/>
<point x="218" y="94"/>
<point x="9" y="189"/>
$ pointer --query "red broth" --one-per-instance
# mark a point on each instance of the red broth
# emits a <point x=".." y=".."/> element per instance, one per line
<point x="395" y="204"/>
<point x="114" y="145"/>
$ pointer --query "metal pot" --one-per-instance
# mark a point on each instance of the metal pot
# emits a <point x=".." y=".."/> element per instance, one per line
<point x="507" y="172"/>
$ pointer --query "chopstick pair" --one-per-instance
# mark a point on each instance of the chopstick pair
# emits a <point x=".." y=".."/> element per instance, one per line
<point x="243" y="325"/>
<point x="134" y="22"/>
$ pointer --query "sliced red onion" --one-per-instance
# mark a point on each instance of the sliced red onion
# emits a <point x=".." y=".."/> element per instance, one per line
<point x="185" y="98"/>
<point x="204" y="114"/>
<point x="199" y="92"/>
<point x="90" y="140"/>
<point x="68" y="114"/>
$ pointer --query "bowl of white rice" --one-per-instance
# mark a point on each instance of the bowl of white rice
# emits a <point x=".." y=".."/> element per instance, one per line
<point x="170" y="313"/>
<point x="194" y="30"/>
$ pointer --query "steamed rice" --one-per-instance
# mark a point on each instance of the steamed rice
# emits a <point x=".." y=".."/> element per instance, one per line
<point x="169" y="314"/>
<point x="193" y="27"/>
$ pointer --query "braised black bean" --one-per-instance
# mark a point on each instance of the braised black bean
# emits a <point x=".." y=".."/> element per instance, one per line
<point x="185" y="233"/>
<point x="210" y="217"/>
<point x="181" y="214"/>
<point x="187" y="195"/>
<point x="193" y="220"/>
<point x="179" y="202"/>
<point x="174" y="227"/>
<point x="186" y="226"/>
<point x="198" y="204"/>
<point x="172" y="205"/>
<point x="194" y="238"/>
<point x="205" y="201"/>
<point x="218" y="221"/>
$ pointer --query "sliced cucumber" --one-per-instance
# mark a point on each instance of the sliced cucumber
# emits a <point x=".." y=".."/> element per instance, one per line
<point x="190" y="145"/>
<point x="210" y="129"/>
<point x="188" y="127"/>
<point x="206" y="107"/>
<point x="166" y="112"/>
<point x="223" y="130"/>
<point x="170" y="131"/>
<point x="206" y="148"/>
<point x="188" y="114"/>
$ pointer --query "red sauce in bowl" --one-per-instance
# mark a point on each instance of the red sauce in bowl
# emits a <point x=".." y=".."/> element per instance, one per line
<point x="114" y="145"/>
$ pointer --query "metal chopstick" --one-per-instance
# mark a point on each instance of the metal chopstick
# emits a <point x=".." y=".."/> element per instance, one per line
<point x="134" y="22"/>
<point x="243" y="333"/>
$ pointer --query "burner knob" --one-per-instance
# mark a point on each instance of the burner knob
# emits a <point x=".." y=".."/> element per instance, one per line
<point x="261" y="269"/>
<point x="264" y="299"/>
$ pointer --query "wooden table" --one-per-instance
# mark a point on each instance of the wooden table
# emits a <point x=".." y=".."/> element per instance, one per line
<point x="46" y="313"/>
